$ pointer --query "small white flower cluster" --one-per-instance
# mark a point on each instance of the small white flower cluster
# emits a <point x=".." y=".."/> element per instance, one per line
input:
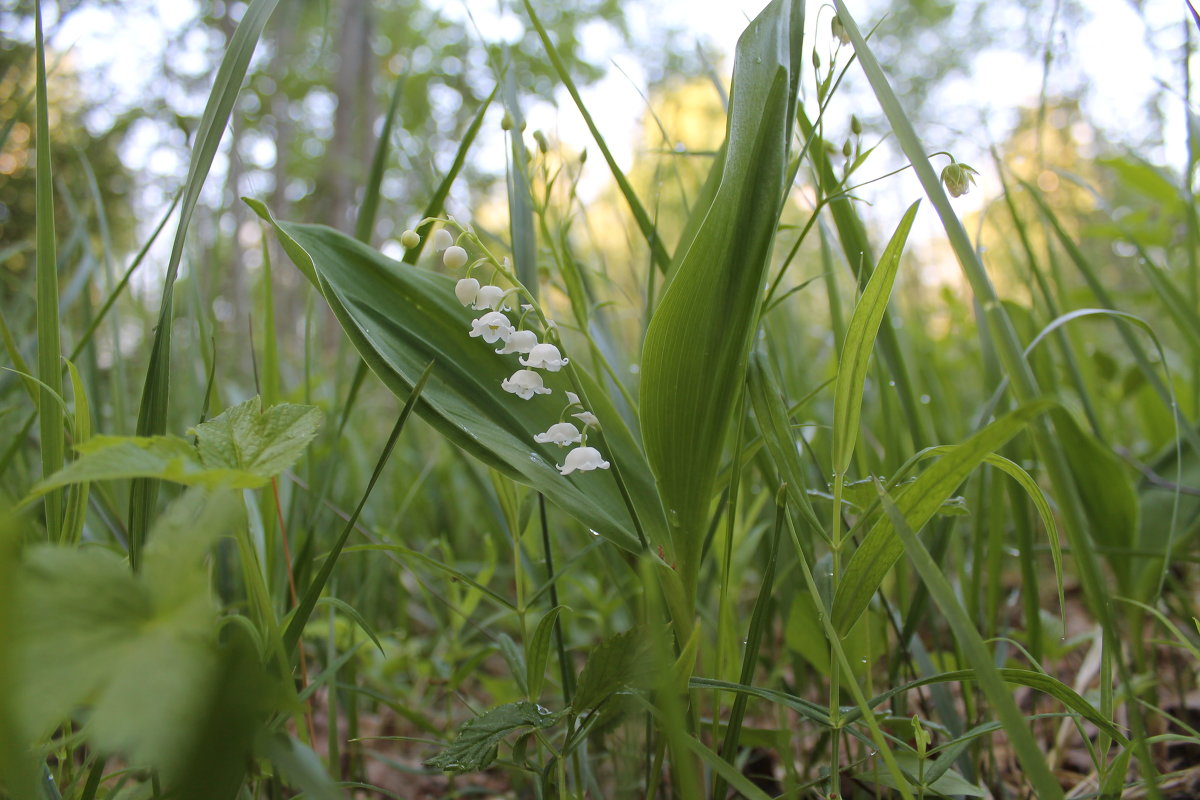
<point x="494" y="326"/>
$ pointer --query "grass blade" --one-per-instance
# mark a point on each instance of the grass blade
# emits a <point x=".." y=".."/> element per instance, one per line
<point x="152" y="414"/>
<point x="918" y="501"/>
<point x="50" y="414"/>
<point x="1044" y="783"/>
<point x="658" y="252"/>
<point x="304" y="609"/>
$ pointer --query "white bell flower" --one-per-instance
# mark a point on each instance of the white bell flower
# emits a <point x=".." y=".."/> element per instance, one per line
<point x="455" y="257"/>
<point x="545" y="356"/>
<point x="561" y="433"/>
<point x="492" y="326"/>
<point x="524" y="383"/>
<point x="490" y="297"/>
<point x="442" y="239"/>
<point x="587" y="418"/>
<point x="466" y="291"/>
<point x="519" y="342"/>
<point x="583" y="459"/>
<point x="573" y="399"/>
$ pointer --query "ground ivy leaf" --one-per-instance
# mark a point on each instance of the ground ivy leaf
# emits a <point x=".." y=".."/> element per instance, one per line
<point x="263" y="443"/>
<point x="475" y="746"/>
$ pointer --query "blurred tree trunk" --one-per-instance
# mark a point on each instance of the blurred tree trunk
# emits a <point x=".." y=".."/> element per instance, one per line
<point x="349" y="152"/>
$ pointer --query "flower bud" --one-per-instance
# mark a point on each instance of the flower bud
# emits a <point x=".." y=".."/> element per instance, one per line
<point x="543" y="145"/>
<point x="410" y="239"/>
<point x="816" y="59"/>
<point x="855" y="125"/>
<point x="506" y="122"/>
<point x="442" y="239"/>
<point x="847" y="149"/>
<point x="455" y="257"/>
<point x="958" y="178"/>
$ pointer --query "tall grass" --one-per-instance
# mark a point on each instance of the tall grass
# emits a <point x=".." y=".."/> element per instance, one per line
<point x="848" y="537"/>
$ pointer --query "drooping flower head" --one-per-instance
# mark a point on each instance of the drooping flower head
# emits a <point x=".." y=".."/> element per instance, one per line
<point x="572" y="399"/>
<point x="410" y="239"/>
<point x="492" y="326"/>
<point x="545" y="356"/>
<point x="958" y="178"/>
<point x="490" y="297"/>
<point x="519" y="342"/>
<point x="583" y="459"/>
<point x="587" y="418"/>
<point x="466" y="290"/>
<point x="524" y="383"/>
<point x="561" y="433"/>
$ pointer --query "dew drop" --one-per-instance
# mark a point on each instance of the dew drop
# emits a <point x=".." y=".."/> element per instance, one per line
<point x="892" y="384"/>
<point x="593" y="533"/>
<point x="924" y="399"/>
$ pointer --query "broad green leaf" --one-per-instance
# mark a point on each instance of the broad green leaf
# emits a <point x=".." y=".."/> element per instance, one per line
<point x="140" y="650"/>
<point x="537" y="652"/>
<point x="860" y="341"/>
<point x="621" y="661"/>
<point x="918" y="501"/>
<point x="263" y="443"/>
<point x="400" y="319"/>
<point x="697" y="343"/>
<point x="475" y="746"/>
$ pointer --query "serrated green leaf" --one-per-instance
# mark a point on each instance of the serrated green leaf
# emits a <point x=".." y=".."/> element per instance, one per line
<point x="400" y="319"/>
<point x="475" y="746"/>
<point x="918" y="502"/>
<point x="619" y="662"/>
<point x="241" y="448"/>
<point x="104" y="458"/>
<point x="263" y="443"/>
<point x="698" y="341"/>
